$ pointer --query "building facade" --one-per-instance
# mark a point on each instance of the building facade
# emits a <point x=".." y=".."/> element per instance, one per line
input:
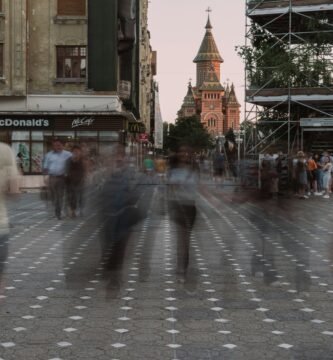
<point x="217" y="107"/>
<point x="75" y="69"/>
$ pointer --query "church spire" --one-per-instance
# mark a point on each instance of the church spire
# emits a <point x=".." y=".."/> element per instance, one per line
<point x="208" y="50"/>
<point x="209" y="25"/>
<point x="232" y="98"/>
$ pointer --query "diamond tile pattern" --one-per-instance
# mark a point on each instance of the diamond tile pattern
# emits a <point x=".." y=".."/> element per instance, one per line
<point x="71" y="289"/>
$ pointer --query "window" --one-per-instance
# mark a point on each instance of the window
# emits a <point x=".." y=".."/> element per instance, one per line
<point x="71" y="7"/>
<point x="1" y="60"/>
<point x="71" y="62"/>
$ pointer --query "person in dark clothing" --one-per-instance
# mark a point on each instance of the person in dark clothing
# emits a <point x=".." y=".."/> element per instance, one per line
<point x="76" y="173"/>
<point x="218" y="166"/>
<point x="182" y="192"/>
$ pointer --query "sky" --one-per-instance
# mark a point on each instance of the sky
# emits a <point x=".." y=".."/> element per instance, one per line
<point x="177" y="28"/>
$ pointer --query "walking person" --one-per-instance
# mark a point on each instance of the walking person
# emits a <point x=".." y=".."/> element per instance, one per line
<point x="75" y="180"/>
<point x="182" y="183"/>
<point x="54" y="166"/>
<point x="8" y="177"/>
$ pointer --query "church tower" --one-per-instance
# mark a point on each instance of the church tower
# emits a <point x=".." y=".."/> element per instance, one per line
<point x="207" y="56"/>
<point x="211" y="92"/>
<point x="231" y="109"/>
<point x="218" y="108"/>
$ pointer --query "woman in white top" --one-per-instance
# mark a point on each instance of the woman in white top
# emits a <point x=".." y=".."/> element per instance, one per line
<point x="327" y="176"/>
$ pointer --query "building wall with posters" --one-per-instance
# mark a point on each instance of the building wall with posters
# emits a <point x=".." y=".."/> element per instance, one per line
<point x="48" y="89"/>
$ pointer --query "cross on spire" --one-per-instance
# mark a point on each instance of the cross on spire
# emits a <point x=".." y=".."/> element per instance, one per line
<point x="208" y="26"/>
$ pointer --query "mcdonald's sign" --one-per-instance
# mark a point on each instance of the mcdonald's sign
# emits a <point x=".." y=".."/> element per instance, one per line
<point x="136" y="128"/>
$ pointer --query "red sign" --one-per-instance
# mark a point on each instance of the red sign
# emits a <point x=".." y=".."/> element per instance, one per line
<point x="143" y="137"/>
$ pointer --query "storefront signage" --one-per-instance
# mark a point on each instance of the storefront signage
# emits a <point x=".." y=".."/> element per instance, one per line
<point x="136" y="127"/>
<point x="143" y="137"/>
<point x="79" y="122"/>
<point x="24" y="123"/>
<point x="83" y="121"/>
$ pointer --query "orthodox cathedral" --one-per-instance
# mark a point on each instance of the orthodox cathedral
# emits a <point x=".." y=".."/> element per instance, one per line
<point x="217" y="106"/>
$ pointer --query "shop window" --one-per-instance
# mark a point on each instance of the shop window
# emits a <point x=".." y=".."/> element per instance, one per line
<point x="71" y="62"/>
<point x="71" y="7"/>
<point x="1" y="59"/>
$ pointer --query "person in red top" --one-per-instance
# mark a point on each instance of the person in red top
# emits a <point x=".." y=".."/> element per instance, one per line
<point x="311" y="172"/>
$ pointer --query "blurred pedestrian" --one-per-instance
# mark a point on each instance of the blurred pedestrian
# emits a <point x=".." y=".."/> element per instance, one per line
<point x="182" y="183"/>
<point x="148" y="166"/>
<point x="8" y="176"/>
<point x="120" y="211"/>
<point x="54" y="165"/>
<point x="19" y="162"/>
<point x="75" y="180"/>
<point x="160" y="168"/>
<point x="319" y="175"/>
<point x="311" y="173"/>
<point x="218" y="166"/>
<point x="327" y="167"/>
<point x="301" y="175"/>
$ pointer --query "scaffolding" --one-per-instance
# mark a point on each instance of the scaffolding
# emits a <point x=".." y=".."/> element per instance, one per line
<point x="288" y="57"/>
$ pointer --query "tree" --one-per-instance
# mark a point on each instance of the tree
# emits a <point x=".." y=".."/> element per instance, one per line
<point x="188" y="131"/>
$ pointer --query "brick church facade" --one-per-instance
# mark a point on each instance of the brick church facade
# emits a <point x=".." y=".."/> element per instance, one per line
<point x="218" y="107"/>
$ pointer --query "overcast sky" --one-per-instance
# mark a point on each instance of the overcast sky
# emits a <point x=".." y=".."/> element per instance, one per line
<point x="177" y="28"/>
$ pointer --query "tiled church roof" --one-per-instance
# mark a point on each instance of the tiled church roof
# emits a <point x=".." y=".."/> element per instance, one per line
<point x="208" y="50"/>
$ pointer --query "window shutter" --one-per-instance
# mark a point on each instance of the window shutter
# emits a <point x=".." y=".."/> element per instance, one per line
<point x="71" y="7"/>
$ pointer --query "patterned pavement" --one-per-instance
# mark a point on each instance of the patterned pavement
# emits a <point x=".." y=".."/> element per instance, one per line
<point x="259" y="283"/>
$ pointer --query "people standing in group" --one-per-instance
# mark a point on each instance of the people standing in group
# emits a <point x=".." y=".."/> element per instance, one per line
<point x="75" y="171"/>
<point x="54" y="165"/>
<point x="8" y="177"/>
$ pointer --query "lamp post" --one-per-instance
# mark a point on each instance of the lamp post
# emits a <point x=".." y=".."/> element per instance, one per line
<point x="220" y="140"/>
<point x="239" y="140"/>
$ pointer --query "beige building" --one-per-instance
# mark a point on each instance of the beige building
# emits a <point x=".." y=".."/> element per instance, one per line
<point x="47" y="87"/>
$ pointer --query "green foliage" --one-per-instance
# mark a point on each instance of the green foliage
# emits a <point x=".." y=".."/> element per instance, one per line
<point x="274" y="63"/>
<point x="188" y="131"/>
